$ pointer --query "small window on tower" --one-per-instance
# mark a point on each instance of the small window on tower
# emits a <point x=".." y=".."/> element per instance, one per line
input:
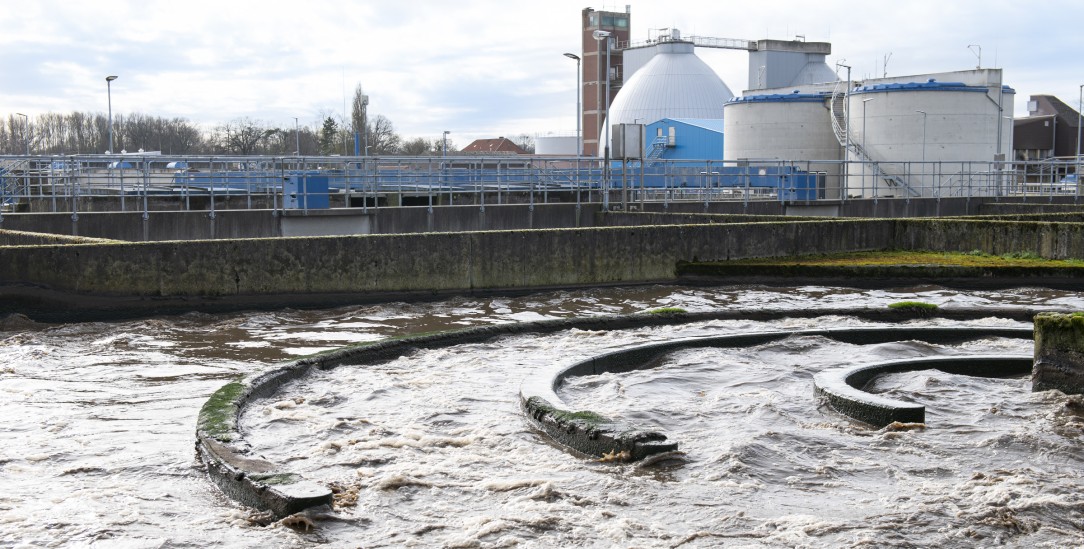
<point x="621" y="22"/>
<point x="592" y="19"/>
<point x="607" y="20"/>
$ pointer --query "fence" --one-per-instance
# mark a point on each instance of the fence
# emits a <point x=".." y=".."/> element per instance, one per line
<point x="155" y="182"/>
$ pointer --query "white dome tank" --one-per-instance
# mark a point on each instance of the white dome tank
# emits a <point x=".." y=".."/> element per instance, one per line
<point x="674" y="84"/>
<point x="921" y="134"/>
<point x="787" y="127"/>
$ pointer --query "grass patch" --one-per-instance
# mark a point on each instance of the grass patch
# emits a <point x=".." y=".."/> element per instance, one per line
<point x="915" y="306"/>
<point x="973" y="258"/>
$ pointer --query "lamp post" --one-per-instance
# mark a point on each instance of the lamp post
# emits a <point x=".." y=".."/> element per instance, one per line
<point x="297" y="137"/>
<point x="26" y="131"/>
<point x="1079" y="120"/>
<point x="444" y="147"/>
<point x="109" y="94"/>
<point x="601" y="36"/>
<point x="865" y="151"/>
<point x="579" y="135"/>
<point x="923" y="113"/>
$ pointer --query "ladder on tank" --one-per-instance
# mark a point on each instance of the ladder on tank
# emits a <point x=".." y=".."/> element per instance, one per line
<point x="838" y="106"/>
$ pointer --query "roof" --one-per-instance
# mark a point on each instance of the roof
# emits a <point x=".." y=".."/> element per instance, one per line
<point x="498" y="145"/>
<point x="712" y="124"/>
<point x="1050" y="105"/>
<point x="929" y="85"/>
<point x="795" y="97"/>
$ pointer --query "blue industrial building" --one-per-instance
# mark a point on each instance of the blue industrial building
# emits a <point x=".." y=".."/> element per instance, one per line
<point x="684" y="139"/>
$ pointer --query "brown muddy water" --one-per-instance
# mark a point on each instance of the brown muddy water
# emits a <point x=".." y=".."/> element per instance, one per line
<point x="98" y="432"/>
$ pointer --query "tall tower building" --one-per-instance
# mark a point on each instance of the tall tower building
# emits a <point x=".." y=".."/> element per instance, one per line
<point x="593" y="54"/>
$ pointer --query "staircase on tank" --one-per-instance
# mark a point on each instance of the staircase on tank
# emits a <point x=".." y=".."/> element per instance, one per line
<point x="839" y="128"/>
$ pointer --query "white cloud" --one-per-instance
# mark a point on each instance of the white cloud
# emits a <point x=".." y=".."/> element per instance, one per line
<point x="478" y="67"/>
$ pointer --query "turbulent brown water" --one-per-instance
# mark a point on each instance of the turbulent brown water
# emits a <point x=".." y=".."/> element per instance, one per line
<point x="98" y="430"/>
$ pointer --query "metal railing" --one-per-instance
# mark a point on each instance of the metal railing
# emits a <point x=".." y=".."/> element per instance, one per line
<point x="152" y="182"/>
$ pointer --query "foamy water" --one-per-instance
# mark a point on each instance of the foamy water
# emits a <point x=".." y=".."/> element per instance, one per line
<point x="99" y="432"/>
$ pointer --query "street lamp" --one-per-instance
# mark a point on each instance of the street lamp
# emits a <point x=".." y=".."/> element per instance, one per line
<point x="865" y="151"/>
<point x="297" y="137"/>
<point x="923" y="113"/>
<point x="109" y="92"/>
<point x="579" y="136"/>
<point x="444" y="147"/>
<point x="601" y="36"/>
<point x="26" y="131"/>
<point x="1079" y="119"/>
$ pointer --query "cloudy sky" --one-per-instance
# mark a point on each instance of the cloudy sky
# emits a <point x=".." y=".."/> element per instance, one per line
<point x="478" y="68"/>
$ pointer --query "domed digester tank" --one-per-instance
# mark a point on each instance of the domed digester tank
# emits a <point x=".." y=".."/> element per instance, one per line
<point x="675" y="83"/>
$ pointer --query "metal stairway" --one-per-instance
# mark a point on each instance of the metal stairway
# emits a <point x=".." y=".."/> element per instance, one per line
<point x="838" y="107"/>
<point x="658" y="146"/>
<point x="13" y="181"/>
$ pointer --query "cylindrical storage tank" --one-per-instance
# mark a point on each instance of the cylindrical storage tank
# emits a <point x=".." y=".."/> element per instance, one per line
<point x="928" y="139"/>
<point x="556" y="145"/>
<point x="795" y="127"/>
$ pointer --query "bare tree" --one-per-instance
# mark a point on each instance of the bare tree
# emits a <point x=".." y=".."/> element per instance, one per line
<point x="418" y="146"/>
<point x="525" y="142"/>
<point x="244" y="136"/>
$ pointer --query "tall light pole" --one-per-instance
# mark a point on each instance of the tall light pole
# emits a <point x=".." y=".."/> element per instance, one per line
<point x="26" y="131"/>
<point x="923" y="113"/>
<point x="601" y="36"/>
<point x="109" y="93"/>
<point x="444" y="147"/>
<point x="1079" y="120"/>
<point x="297" y="137"/>
<point x="865" y="151"/>
<point x="579" y="116"/>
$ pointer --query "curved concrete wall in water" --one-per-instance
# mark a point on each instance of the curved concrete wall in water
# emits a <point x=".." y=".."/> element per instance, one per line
<point x="255" y="482"/>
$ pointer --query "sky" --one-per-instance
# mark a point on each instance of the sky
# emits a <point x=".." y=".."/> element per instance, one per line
<point x="476" y="68"/>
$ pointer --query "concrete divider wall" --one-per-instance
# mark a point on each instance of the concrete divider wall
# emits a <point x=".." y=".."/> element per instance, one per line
<point x="198" y="225"/>
<point x="450" y="262"/>
<point x="1042" y="239"/>
<point x="21" y="238"/>
<point x="419" y="262"/>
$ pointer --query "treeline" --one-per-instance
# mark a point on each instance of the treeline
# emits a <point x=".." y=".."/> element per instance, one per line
<point x="88" y="133"/>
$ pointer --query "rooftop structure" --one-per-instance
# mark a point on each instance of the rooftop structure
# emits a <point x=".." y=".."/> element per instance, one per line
<point x="500" y="145"/>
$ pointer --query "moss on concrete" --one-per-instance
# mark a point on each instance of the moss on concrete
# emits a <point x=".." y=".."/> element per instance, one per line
<point x="667" y="311"/>
<point x="913" y="306"/>
<point x="1062" y="332"/>
<point x="218" y="417"/>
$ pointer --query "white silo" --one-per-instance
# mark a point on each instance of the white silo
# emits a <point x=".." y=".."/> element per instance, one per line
<point x="785" y="127"/>
<point x="929" y="138"/>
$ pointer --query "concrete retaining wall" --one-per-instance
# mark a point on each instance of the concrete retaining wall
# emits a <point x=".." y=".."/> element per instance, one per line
<point x="378" y="265"/>
<point x="131" y="226"/>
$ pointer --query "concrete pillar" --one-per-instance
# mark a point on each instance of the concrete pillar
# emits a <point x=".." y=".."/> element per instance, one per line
<point x="1059" y="353"/>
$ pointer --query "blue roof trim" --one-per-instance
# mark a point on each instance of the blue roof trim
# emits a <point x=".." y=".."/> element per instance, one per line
<point x="932" y="85"/>
<point x="795" y="97"/>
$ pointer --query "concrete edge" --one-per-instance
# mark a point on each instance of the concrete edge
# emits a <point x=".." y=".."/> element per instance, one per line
<point x="255" y="482"/>
<point x="842" y="388"/>
<point x="590" y="433"/>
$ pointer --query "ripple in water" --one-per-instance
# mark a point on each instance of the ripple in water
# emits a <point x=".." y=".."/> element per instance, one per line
<point x="99" y="421"/>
